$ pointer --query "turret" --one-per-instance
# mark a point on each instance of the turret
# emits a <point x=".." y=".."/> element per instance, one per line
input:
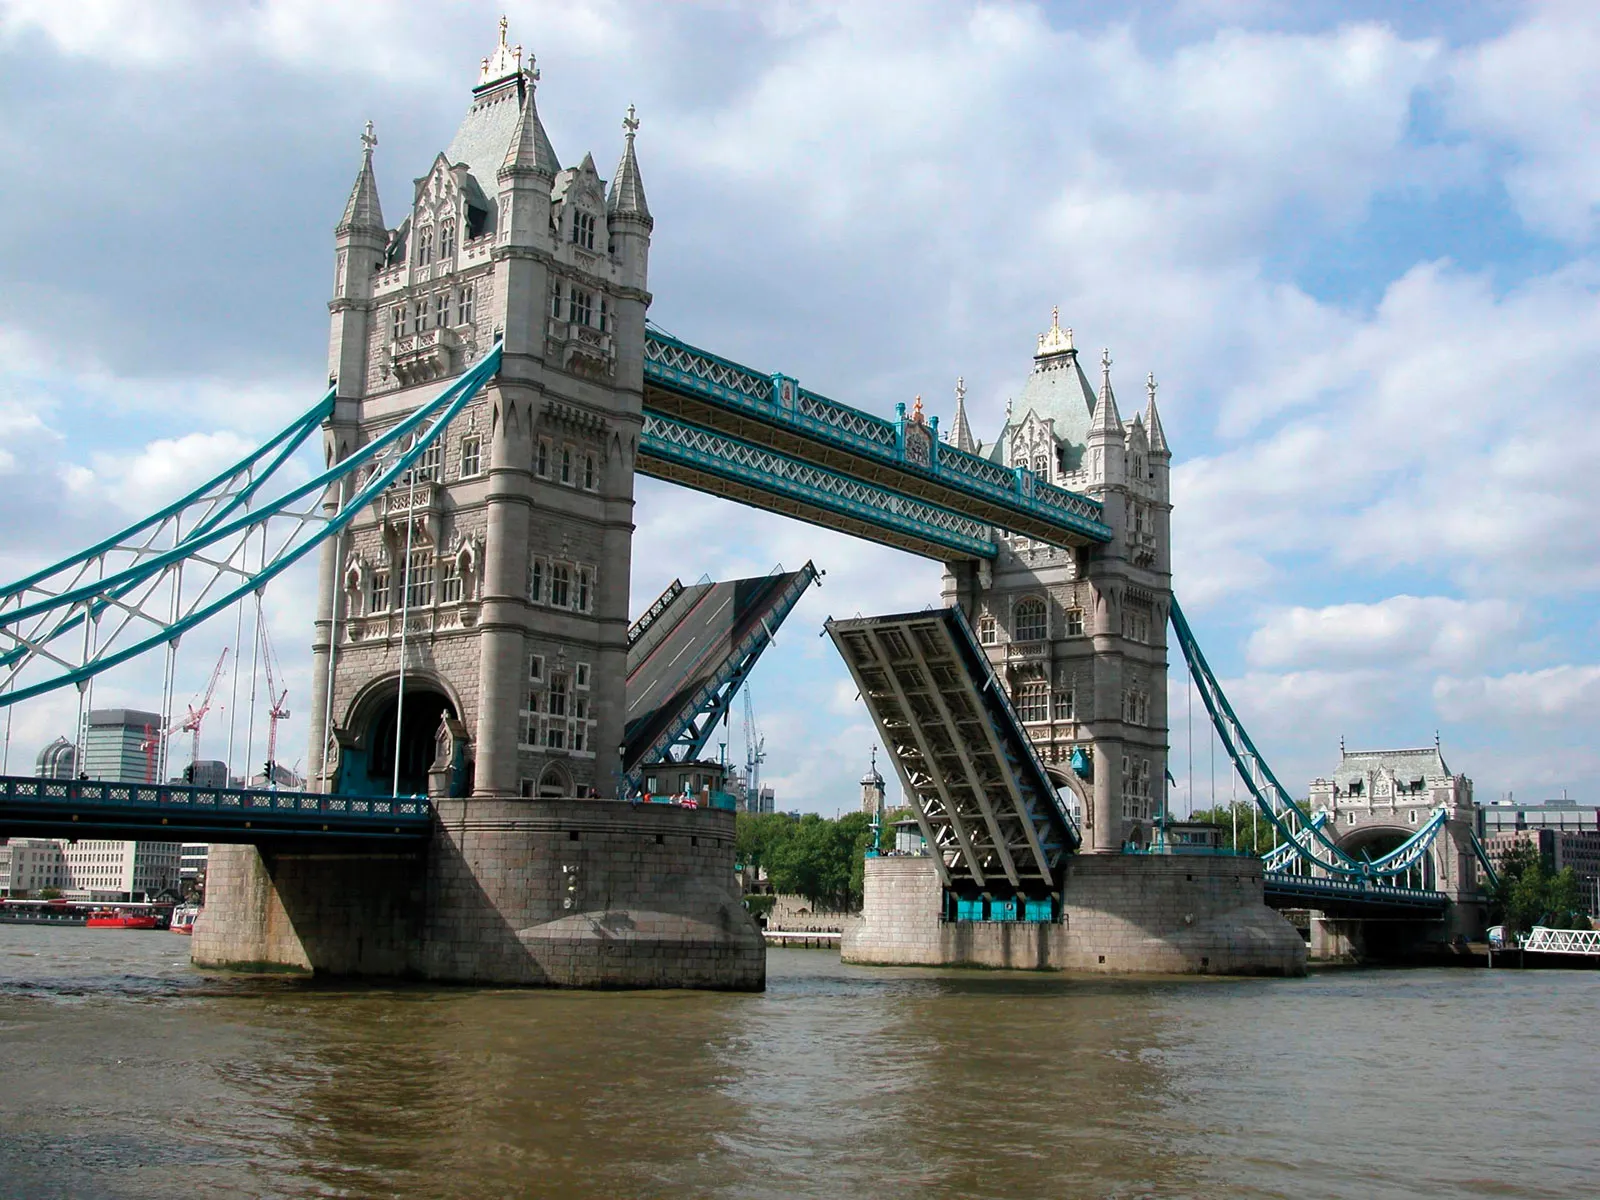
<point x="1107" y="457"/>
<point x="961" y="432"/>
<point x="628" y="214"/>
<point x="359" y="243"/>
<point x="1160" y="453"/>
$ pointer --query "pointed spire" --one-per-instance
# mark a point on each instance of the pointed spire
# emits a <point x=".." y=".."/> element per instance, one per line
<point x="1152" y="420"/>
<point x="530" y="151"/>
<point x="961" y="432"/>
<point x="1106" y="418"/>
<point x="627" y="187"/>
<point x="362" y="210"/>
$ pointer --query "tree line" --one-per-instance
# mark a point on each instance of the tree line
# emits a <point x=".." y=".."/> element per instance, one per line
<point x="819" y="858"/>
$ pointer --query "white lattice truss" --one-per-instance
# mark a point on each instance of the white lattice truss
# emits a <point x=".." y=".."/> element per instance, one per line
<point x="1564" y="941"/>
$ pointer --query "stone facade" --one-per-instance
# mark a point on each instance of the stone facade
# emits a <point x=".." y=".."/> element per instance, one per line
<point x="561" y="893"/>
<point x="502" y="560"/>
<point x="1171" y="914"/>
<point x="1079" y="636"/>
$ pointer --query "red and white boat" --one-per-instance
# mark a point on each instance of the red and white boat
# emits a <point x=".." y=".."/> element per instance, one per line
<point x="122" y="918"/>
<point x="183" y="918"/>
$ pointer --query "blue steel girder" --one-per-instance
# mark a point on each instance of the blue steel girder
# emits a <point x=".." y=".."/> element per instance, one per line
<point x="727" y="466"/>
<point x="697" y="720"/>
<point x="902" y="455"/>
<point x="172" y="812"/>
<point x="1351" y="897"/>
<point x="123" y="598"/>
<point x="1302" y="835"/>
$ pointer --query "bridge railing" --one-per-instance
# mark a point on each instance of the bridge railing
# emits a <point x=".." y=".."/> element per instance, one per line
<point x="101" y="795"/>
<point x="906" y="444"/>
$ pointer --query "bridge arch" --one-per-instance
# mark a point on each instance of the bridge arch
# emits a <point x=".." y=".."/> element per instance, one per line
<point x="1376" y="840"/>
<point x="375" y="723"/>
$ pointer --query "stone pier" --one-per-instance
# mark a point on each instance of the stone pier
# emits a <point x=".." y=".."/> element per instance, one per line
<point x="1164" y="914"/>
<point x="544" y="893"/>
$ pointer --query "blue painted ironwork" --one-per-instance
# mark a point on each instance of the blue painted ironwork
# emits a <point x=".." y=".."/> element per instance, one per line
<point x="668" y="444"/>
<point x="1320" y="892"/>
<point x="778" y="401"/>
<point x="148" y="603"/>
<point x="688" y="734"/>
<point x="94" y="808"/>
<point x="1307" y="839"/>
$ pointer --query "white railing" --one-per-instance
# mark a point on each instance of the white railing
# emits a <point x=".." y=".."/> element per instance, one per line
<point x="1563" y="941"/>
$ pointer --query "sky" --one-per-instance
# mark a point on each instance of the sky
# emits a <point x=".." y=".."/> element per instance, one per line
<point x="1356" y="243"/>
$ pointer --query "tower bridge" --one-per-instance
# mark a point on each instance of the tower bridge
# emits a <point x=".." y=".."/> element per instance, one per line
<point x="477" y="683"/>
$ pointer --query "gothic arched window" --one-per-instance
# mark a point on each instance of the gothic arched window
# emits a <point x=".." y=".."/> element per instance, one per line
<point x="553" y="783"/>
<point x="447" y="238"/>
<point x="425" y="246"/>
<point x="1030" y="621"/>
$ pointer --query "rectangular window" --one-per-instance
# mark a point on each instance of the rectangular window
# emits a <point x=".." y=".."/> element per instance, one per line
<point x="441" y="309"/>
<point x="419" y="317"/>
<point x="605" y="315"/>
<point x="464" y="305"/>
<point x="558" y="695"/>
<point x="378" y="591"/>
<point x="419" y="585"/>
<point x="986" y="629"/>
<point x="1062" y="707"/>
<point x="555" y="735"/>
<point x="428" y="463"/>
<point x="580" y="306"/>
<point x="425" y="246"/>
<point x="580" y="736"/>
<point x="583" y="230"/>
<point x="447" y="239"/>
<point x="536" y="669"/>
<point x="585" y="590"/>
<point x="471" y="455"/>
<point x="1074" y="622"/>
<point x="398" y="317"/>
<point x="541" y="464"/>
<point x="560" y="585"/>
<point x="450" y="583"/>
<point x="1033" y="702"/>
<point x="555" y="299"/>
<point x="536" y="582"/>
<point x="582" y="675"/>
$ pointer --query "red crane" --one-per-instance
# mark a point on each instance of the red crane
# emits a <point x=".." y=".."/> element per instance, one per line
<point x="190" y="724"/>
<point x="275" y="710"/>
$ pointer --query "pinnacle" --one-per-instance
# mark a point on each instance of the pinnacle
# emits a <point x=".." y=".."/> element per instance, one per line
<point x="627" y="187"/>
<point x="1152" y="420"/>
<point x="362" y="210"/>
<point x="530" y="150"/>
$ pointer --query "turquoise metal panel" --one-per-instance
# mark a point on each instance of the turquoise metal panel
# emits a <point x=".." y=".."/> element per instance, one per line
<point x="673" y="441"/>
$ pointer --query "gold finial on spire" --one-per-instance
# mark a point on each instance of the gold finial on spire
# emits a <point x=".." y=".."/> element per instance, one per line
<point x="504" y="25"/>
<point x="1056" y="340"/>
<point x="630" y="123"/>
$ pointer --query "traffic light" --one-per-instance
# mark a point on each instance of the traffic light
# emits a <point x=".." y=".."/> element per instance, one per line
<point x="188" y="774"/>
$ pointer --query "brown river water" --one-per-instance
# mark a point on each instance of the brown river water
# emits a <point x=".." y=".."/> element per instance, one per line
<point x="125" y="1073"/>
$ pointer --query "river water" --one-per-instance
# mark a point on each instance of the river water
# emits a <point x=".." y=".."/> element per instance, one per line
<point x="126" y="1073"/>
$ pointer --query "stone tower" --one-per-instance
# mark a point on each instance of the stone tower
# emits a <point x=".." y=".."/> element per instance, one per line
<point x="1079" y="636"/>
<point x="872" y="792"/>
<point x="508" y="555"/>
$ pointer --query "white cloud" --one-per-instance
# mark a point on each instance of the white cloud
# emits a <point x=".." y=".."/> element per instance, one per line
<point x="1400" y="633"/>
<point x="1534" y="92"/>
<point x="1566" y="691"/>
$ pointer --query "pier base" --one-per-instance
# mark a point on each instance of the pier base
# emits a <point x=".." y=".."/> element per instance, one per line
<point x="548" y="893"/>
<point x="1163" y="914"/>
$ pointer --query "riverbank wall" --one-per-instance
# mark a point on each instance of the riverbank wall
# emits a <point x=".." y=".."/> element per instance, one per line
<point x="545" y="893"/>
<point x="1122" y="914"/>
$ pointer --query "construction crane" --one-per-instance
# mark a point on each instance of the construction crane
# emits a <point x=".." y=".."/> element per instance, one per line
<point x="275" y="708"/>
<point x="755" y="753"/>
<point x="191" y="723"/>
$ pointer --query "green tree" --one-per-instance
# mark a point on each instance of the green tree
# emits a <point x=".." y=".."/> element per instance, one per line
<point x="756" y="835"/>
<point x="821" y="861"/>
<point x="50" y="893"/>
<point x="1528" y="893"/>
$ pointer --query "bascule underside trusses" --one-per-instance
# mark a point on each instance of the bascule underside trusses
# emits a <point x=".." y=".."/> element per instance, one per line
<point x="971" y="776"/>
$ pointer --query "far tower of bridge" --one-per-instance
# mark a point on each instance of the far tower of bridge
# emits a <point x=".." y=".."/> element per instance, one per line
<point x="1078" y="635"/>
<point x="493" y="579"/>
